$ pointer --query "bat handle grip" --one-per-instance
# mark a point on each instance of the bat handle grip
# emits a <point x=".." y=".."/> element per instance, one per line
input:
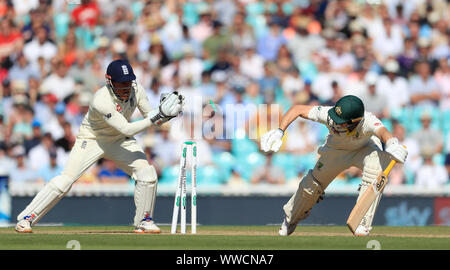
<point x="389" y="167"/>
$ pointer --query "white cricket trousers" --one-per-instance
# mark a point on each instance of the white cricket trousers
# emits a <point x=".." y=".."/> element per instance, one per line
<point x="371" y="159"/>
<point x="127" y="155"/>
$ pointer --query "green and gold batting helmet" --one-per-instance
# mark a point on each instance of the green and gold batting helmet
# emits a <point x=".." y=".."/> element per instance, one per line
<point x="348" y="109"/>
<point x="346" y="115"/>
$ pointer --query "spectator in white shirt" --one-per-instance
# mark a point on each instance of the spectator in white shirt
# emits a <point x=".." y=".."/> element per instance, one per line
<point x="370" y="20"/>
<point x="40" y="46"/>
<point x="424" y="88"/>
<point x="374" y="101"/>
<point x="22" y="171"/>
<point x="165" y="148"/>
<point x="414" y="160"/>
<point x="427" y="136"/>
<point x="442" y="77"/>
<point x="341" y="61"/>
<point x="388" y="43"/>
<point x="168" y="72"/>
<point x="408" y="6"/>
<point x="191" y="68"/>
<point x="393" y="86"/>
<point x="39" y="157"/>
<point x="55" y="123"/>
<point x="22" y="70"/>
<point x="440" y="39"/>
<point x="292" y="83"/>
<point x="322" y="84"/>
<point x="59" y="83"/>
<point x="203" y="29"/>
<point x="154" y="93"/>
<point x="301" y="138"/>
<point x="251" y="64"/>
<point x="303" y="44"/>
<point x="431" y="175"/>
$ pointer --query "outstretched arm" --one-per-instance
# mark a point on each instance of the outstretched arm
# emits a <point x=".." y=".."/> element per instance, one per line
<point x="271" y="141"/>
<point x="170" y="107"/>
<point x="117" y="121"/>
<point x="292" y="114"/>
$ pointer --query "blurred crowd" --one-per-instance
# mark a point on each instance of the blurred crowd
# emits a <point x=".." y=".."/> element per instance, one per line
<point x="394" y="54"/>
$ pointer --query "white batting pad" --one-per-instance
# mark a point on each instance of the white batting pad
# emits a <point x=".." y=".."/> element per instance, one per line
<point x="43" y="201"/>
<point x="144" y="198"/>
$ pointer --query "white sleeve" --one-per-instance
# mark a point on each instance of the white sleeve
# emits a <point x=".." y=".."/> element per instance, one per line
<point x="120" y="123"/>
<point x="319" y="114"/>
<point x="372" y="123"/>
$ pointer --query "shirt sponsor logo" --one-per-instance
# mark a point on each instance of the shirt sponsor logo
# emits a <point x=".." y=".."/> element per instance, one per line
<point x="119" y="108"/>
<point x="107" y="116"/>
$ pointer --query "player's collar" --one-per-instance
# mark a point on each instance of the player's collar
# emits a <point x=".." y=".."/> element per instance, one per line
<point x="355" y="130"/>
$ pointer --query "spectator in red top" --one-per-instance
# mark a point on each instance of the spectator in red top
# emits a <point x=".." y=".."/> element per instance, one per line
<point x="10" y="38"/>
<point x="86" y="14"/>
<point x="5" y="8"/>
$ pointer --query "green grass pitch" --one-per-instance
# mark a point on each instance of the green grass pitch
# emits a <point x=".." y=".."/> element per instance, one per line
<point x="226" y="238"/>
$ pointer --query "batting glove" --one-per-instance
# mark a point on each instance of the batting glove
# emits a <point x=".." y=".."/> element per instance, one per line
<point x="271" y="141"/>
<point x="397" y="151"/>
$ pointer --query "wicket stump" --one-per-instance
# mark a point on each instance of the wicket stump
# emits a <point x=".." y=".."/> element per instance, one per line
<point x="181" y="191"/>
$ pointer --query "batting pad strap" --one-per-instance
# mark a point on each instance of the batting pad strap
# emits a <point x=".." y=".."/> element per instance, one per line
<point x="144" y="194"/>
<point x="369" y="175"/>
<point x="372" y="168"/>
<point x="145" y="173"/>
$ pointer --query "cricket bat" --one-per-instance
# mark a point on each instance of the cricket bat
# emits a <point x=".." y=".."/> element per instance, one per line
<point x="366" y="200"/>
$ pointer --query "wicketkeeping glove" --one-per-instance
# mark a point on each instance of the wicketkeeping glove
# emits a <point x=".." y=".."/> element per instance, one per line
<point x="271" y="141"/>
<point x="397" y="151"/>
<point x="169" y="107"/>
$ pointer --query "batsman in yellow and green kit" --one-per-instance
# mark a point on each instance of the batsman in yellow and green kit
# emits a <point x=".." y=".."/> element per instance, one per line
<point x="355" y="139"/>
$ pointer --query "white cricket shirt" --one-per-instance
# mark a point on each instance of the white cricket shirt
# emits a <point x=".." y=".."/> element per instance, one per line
<point x="354" y="140"/>
<point x="108" y="118"/>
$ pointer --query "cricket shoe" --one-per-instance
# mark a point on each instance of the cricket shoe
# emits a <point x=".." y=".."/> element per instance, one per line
<point x="362" y="230"/>
<point x="286" y="228"/>
<point x="147" y="226"/>
<point x="24" y="226"/>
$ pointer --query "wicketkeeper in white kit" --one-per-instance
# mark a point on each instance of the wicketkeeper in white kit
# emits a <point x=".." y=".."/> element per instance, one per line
<point x="107" y="133"/>
<point x="354" y="139"/>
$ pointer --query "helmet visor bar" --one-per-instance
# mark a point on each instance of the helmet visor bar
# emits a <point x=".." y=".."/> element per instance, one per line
<point x="122" y="90"/>
<point x="345" y="127"/>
